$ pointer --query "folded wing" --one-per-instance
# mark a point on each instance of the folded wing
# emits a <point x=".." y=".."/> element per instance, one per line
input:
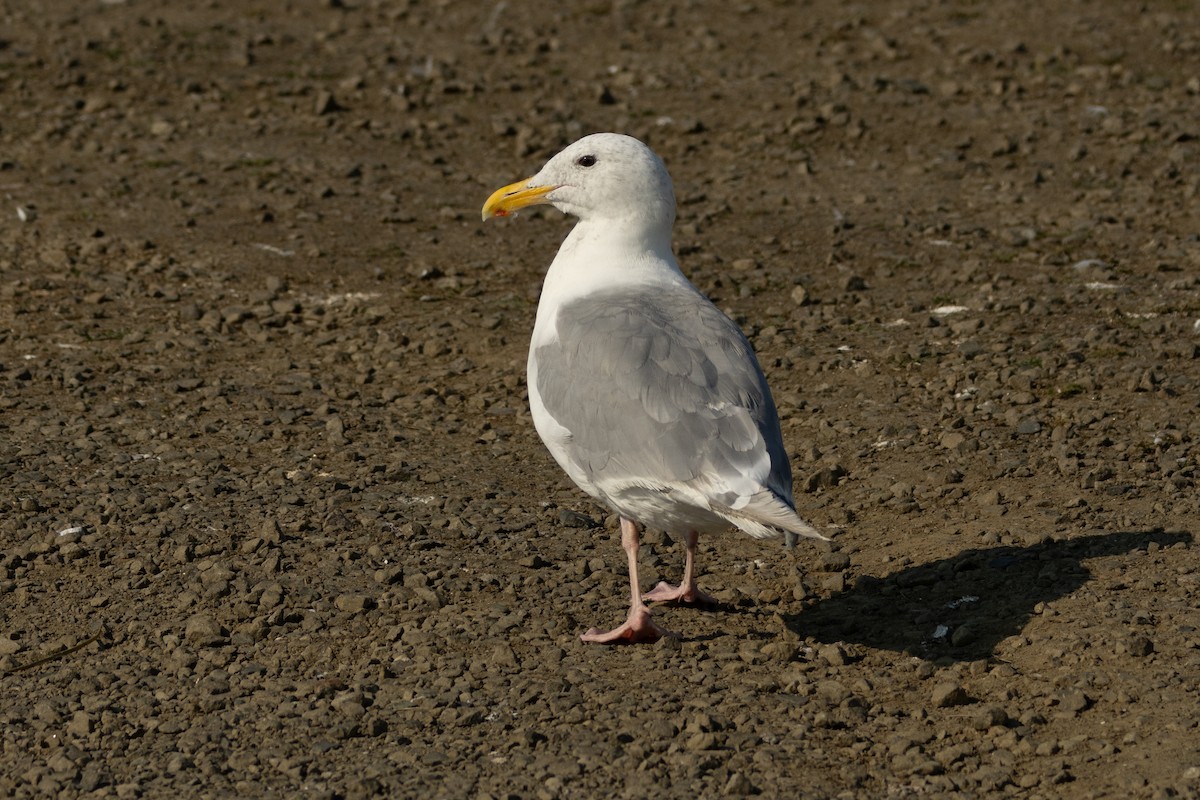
<point x="662" y="391"/>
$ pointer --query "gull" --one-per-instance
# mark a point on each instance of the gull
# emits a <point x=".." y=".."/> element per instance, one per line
<point x="646" y="395"/>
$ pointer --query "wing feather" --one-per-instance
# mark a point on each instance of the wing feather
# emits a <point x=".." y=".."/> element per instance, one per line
<point x="663" y="390"/>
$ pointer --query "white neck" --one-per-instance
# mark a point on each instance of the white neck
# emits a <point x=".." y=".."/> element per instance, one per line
<point x="597" y="256"/>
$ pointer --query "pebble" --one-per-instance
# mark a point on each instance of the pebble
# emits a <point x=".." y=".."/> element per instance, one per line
<point x="952" y="440"/>
<point x="574" y="519"/>
<point x="203" y="630"/>
<point x="834" y="562"/>
<point x="1073" y="701"/>
<point x="81" y="724"/>
<point x="1140" y="646"/>
<point x="963" y="635"/>
<point x="834" y="655"/>
<point x="948" y="694"/>
<point x="988" y="716"/>
<point x="354" y="603"/>
<point x="325" y="104"/>
<point x="738" y="785"/>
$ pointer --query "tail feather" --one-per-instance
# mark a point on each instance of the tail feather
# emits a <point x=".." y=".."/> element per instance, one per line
<point x="766" y="515"/>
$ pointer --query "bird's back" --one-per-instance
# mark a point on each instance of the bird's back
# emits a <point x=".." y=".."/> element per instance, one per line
<point x="654" y="402"/>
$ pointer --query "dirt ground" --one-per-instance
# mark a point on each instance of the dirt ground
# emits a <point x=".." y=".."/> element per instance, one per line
<point x="274" y="521"/>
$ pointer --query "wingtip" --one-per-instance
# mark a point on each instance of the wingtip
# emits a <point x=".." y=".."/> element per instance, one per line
<point x="790" y="539"/>
<point x="771" y="517"/>
<point x="791" y="536"/>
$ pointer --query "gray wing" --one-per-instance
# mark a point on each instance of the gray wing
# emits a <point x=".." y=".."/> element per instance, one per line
<point x="661" y="389"/>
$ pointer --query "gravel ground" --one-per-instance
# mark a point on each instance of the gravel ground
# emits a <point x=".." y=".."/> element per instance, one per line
<point x="274" y="521"/>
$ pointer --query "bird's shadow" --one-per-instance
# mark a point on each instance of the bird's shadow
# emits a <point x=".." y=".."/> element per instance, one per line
<point x="959" y="608"/>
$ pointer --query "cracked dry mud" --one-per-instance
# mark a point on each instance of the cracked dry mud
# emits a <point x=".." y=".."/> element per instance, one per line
<point x="273" y="518"/>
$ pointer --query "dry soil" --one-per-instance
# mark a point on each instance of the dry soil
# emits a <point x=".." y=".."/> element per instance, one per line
<point x="273" y="518"/>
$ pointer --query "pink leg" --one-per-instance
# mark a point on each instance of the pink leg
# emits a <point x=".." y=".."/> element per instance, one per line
<point x="686" y="591"/>
<point x="638" y="626"/>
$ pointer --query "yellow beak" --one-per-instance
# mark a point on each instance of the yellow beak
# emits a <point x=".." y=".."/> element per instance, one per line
<point x="514" y="197"/>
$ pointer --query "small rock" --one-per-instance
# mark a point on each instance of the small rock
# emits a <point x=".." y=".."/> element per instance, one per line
<point x="834" y="654"/>
<point x="824" y="478"/>
<point x="949" y="694"/>
<point x="738" y="785"/>
<point x="991" y="497"/>
<point x="325" y="104"/>
<point x="271" y="596"/>
<point x="354" y="603"/>
<point x="362" y="788"/>
<point x="781" y="651"/>
<point x="202" y="630"/>
<point x="81" y="724"/>
<point x="832" y="692"/>
<point x="835" y="582"/>
<point x="952" y="440"/>
<point x="988" y="717"/>
<point x="162" y="128"/>
<point x="503" y="656"/>
<point x="389" y="575"/>
<point x="834" y="562"/>
<point x="573" y="519"/>
<point x="335" y="430"/>
<point x="269" y="531"/>
<point x="970" y="348"/>
<point x="964" y="327"/>
<point x="750" y="652"/>
<point x="672" y="644"/>
<point x="1029" y="426"/>
<point x="1074" y="701"/>
<point x="1140" y="646"/>
<point x="350" y="704"/>
<point x="963" y="635"/>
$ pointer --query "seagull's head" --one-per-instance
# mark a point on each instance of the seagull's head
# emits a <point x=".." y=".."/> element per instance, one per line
<point x="605" y="176"/>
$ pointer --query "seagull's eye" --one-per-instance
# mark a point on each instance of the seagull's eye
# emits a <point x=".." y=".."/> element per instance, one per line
<point x="586" y="161"/>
